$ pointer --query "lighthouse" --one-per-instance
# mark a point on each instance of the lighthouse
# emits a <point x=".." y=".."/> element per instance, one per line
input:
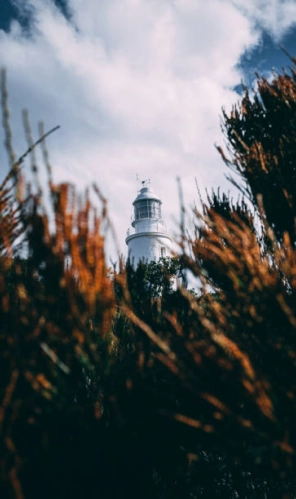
<point x="147" y="239"/>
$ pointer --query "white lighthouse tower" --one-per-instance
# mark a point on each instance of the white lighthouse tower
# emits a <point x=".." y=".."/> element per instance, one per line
<point x="147" y="239"/>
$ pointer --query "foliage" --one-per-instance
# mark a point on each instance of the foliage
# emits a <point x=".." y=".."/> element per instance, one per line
<point x="231" y="356"/>
<point x="261" y="142"/>
<point x="132" y="386"/>
<point x="155" y="278"/>
<point x="53" y="281"/>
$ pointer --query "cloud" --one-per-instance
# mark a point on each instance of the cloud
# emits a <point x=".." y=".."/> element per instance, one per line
<point x="274" y="16"/>
<point x="137" y="87"/>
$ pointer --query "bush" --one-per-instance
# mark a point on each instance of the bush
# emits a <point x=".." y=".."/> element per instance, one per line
<point x="122" y="386"/>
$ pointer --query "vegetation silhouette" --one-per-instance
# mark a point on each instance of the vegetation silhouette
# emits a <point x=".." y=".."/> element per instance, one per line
<point x="118" y="384"/>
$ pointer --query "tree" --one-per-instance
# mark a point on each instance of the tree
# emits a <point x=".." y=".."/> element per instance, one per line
<point x="230" y="364"/>
<point x="261" y="141"/>
<point x="202" y="402"/>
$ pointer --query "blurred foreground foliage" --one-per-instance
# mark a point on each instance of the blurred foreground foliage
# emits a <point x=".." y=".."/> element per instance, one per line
<point x="120" y="384"/>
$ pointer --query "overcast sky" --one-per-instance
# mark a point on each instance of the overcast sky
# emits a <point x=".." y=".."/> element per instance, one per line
<point x="137" y="86"/>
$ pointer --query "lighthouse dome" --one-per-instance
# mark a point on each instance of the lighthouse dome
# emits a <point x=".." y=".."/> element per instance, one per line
<point x="146" y="193"/>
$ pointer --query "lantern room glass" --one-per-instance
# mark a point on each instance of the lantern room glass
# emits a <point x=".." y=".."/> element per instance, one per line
<point x="147" y="208"/>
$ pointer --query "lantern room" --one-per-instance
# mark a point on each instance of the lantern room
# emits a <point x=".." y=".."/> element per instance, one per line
<point x="146" y="205"/>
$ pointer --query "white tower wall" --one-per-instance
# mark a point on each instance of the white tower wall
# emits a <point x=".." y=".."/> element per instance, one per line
<point x="148" y="247"/>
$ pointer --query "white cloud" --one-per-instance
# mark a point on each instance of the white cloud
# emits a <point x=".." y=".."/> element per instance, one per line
<point x="275" y="16"/>
<point x="137" y="87"/>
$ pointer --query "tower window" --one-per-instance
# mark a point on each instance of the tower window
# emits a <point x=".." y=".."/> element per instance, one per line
<point x="147" y="208"/>
<point x="162" y="251"/>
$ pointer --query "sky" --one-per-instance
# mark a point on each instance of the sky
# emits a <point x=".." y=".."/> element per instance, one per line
<point x="137" y="88"/>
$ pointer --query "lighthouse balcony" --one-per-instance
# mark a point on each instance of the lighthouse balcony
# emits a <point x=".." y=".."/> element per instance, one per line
<point x="148" y="226"/>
